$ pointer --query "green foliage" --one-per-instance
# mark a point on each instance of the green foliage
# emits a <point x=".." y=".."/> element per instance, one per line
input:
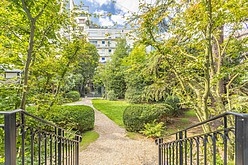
<point x="134" y="63"/>
<point x="79" y="118"/>
<point x="113" y="109"/>
<point x="9" y="96"/>
<point x="193" y="56"/>
<point x="153" y="130"/>
<point x="112" y="73"/>
<point x="84" y="71"/>
<point x="72" y="96"/>
<point x="31" y="43"/>
<point x="31" y="36"/>
<point x="111" y="95"/>
<point x="173" y="104"/>
<point x="136" y="116"/>
<point x="133" y="95"/>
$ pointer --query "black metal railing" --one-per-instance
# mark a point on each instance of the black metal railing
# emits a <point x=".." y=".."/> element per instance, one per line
<point x="226" y="142"/>
<point x="27" y="139"/>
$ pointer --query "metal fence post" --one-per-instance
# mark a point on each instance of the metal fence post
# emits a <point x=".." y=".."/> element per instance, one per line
<point x="241" y="140"/>
<point x="159" y="142"/>
<point x="59" y="147"/>
<point x="77" y="149"/>
<point x="10" y="138"/>
<point x="181" y="148"/>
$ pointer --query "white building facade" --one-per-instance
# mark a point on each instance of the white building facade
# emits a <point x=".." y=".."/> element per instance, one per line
<point x="105" y="40"/>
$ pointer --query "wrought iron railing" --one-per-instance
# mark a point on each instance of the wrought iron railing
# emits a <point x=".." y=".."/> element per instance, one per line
<point x="27" y="139"/>
<point x="226" y="143"/>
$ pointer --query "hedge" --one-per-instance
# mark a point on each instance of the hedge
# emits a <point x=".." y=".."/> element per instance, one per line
<point x="79" y="118"/>
<point x="72" y="96"/>
<point x="136" y="116"/>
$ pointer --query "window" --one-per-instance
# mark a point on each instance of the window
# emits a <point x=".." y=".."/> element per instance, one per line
<point x="81" y="21"/>
<point x="103" y="42"/>
<point x="103" y="58"/>
<point x="93" y="42"/>
<point x="110" y="50"/>
<point x="81" y="28"/>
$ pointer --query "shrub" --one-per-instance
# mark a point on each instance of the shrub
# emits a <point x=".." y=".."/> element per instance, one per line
<point x="72" y="96"/>
<point x="154" y="129"/>
<point x="132" y="95"/>
<point x="77" y="117"/>
<point x="111" y="95"/>
<point x="173" y="106"/>
<point x="135" y="116"/>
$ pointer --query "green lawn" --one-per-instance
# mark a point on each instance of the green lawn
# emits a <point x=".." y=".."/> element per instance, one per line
<point x="112" y="109"/>
<point x="87" y="138"/>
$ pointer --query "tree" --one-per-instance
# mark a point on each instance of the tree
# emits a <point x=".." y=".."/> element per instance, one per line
<point x="31" y="26"/>
<point x="192" y="56"/>
<point x="135" y="80"/>
<point x="112" y="74"/>
<point x="84" y="71"/>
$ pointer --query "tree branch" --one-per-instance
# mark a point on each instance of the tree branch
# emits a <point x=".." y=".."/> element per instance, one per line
<point x="42" y="10"/>
<point x="27" y="11"/>
<point x="228" y="91"/>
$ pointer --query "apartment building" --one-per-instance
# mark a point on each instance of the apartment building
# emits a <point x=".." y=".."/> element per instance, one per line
<point x="81" y="18"/>
<point x="105" y="40"/>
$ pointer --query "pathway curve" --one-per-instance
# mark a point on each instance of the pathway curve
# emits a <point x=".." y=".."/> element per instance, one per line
<point x="113" y="147"/>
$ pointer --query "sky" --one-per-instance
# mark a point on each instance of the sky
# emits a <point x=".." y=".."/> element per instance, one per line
<point x="119" y="9"/>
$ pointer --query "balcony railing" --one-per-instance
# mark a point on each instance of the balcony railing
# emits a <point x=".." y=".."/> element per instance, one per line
<point x="224" y="142"/>
<point x="27" y="139"/>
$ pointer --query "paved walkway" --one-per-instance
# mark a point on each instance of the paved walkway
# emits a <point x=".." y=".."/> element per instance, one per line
<point x="113" y="147"/>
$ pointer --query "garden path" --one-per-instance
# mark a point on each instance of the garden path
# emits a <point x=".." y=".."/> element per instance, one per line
<point x="113" y="147"/>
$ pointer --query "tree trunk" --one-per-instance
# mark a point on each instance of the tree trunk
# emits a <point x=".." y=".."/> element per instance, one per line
<point x="28" y="62"/>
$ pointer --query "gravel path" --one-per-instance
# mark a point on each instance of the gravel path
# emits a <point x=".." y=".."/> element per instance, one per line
<point x="113" y="147"/>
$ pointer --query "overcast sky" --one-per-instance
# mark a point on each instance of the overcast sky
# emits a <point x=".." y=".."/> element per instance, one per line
<point x="119" y="10"/>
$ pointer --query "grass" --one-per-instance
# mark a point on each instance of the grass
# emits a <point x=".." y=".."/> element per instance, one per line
<point x="113" y="109"/>
<point x="182" y="122"/>
<point x="189" y="113"/>
<point x="87" y="138"/>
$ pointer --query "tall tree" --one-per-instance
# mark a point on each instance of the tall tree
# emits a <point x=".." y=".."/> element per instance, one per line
<point x="196" y="48"/>
<point x="135" y="79"/>
<point x="112" y="73"/>
<point x="31" y="26"/>
<point x="87" y="62"/>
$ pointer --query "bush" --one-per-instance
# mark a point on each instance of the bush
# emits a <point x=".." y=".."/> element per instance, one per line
<point x="72" y="96"/>
<point x="136" y="116"/>
<point x="133" y="95"/>
<point x="111" y="95"/>
<point x="153" y="130"/>
<point x="79" y="118"/>
<point x="173" y="106"/>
